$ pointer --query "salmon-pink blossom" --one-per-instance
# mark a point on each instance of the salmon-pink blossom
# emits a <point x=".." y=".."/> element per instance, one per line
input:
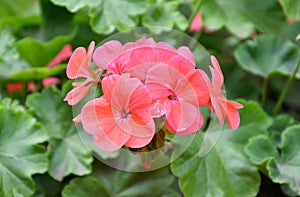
<point x="180" y="95"/>
<point x="121" y="116"/>
<point x="78" y="67"/>
<point x="218" y="102"/>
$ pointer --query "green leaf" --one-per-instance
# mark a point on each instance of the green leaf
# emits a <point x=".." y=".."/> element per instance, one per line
<point x="40" y="54"/>
<point x="165" y="14"/>
<point x="287" y="168"/>
<point x="67" y="152"/>
<point x="283" y="167"/>
<point x="291" y="8"/>
<point x="255" y="56"/>
<point x="106" y="181"/>
<point x="34" y="74"/>
<point x="19" y="13"/>
<point x="116" y="14"/>
<point x="75" y="5"/>
<point x="56" y="21"/>
<point x="260" y="149"/>
<point x="280" y="123"/>
<point x="225" y="170"/>
<point x="85" y="187"/>
<point x="19" y="7"/>
<point x="21" y="154"/>
<point x="10" y="61"/>
<point x="241" y="17"/>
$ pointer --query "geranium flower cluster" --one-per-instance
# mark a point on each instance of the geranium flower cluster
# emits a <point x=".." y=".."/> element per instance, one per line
<point x="141" y="81"/>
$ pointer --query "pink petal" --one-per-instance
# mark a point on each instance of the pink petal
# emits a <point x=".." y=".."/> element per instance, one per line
<point x="235" y="104"/>
<point x="80" y="91"/>
<point x="93" y="112"/>
<point x="199" y="86"/>
<point x="217" y="76"/>
<point x="78" y="64"/>
<point x="108" y="85"/>
<point x="31" y="86"/>
<point x="63" y="55"/>
<point x="107" y="53"/>
<point x="140" y="98"/>
<point x="164" y="75"/>
<point x="77" y="119"/>
<point x="140" y="71"/>
<point x="50" y="81"/>
<point x="110" y="136"/>
<point x="181" y="64"/>
<point x="158" y="91"/>
<point x="122" y="92"/>
<point x="193" y="128"/>
<point x="157" y="110"/>
<point x="196" y="24"/>
<point x="180" y="115"/>
<point x="141" y="136"/>
<point x="219" y="107"/>
<point x="232" y="116"/>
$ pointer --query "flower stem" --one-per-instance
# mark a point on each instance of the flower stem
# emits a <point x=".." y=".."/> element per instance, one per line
<point x="197" y="7"/>
<point x="287" y="86"/>
<point x="265" y="89"/>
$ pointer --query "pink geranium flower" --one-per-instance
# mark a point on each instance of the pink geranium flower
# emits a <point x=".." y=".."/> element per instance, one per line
<point x="138" y="57"/>
<point x="218" y="102"/>
<point x="179" y="95"/>
<point x="121" y="116"/>
<point x="78" y="67"/>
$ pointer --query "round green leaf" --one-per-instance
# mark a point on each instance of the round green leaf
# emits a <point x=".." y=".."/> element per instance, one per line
<point x="21" y="154"/>
<point x="165" y="14"/>
<point x="241" y="17"/>
<point x="261" y="149"/>
<point x="67" y="152"/>
<point x="267" y="55"/>
<point x="120" y="14"/>
<point x="291" y="8"/>
<point x="85" y="187"/>
<point x="225" y="170"/>
<point x="74" y="5"/>
<point x="106" y="181"/>
<point x="286" y="169"/>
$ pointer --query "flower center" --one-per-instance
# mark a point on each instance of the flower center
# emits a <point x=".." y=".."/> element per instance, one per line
<point x="172" y="97"/>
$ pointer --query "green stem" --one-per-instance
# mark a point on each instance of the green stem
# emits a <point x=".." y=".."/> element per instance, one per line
<point x="287" y="86"/>
<point x="197" y="7"/>
<point x="265" y="89"/>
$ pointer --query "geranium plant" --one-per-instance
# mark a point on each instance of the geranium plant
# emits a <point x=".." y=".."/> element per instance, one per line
<point x="149" y="98"/>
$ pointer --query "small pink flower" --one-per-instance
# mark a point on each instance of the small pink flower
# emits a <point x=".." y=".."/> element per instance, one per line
<point x="78" y="67"/>
<point x="50" y="81"/>
<point x="218" y="102"/>
<point x="121" y="116"/>
<point x="63" y="55"/>
<point x="180" y="96"/>
<point x="197" y="23"/>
